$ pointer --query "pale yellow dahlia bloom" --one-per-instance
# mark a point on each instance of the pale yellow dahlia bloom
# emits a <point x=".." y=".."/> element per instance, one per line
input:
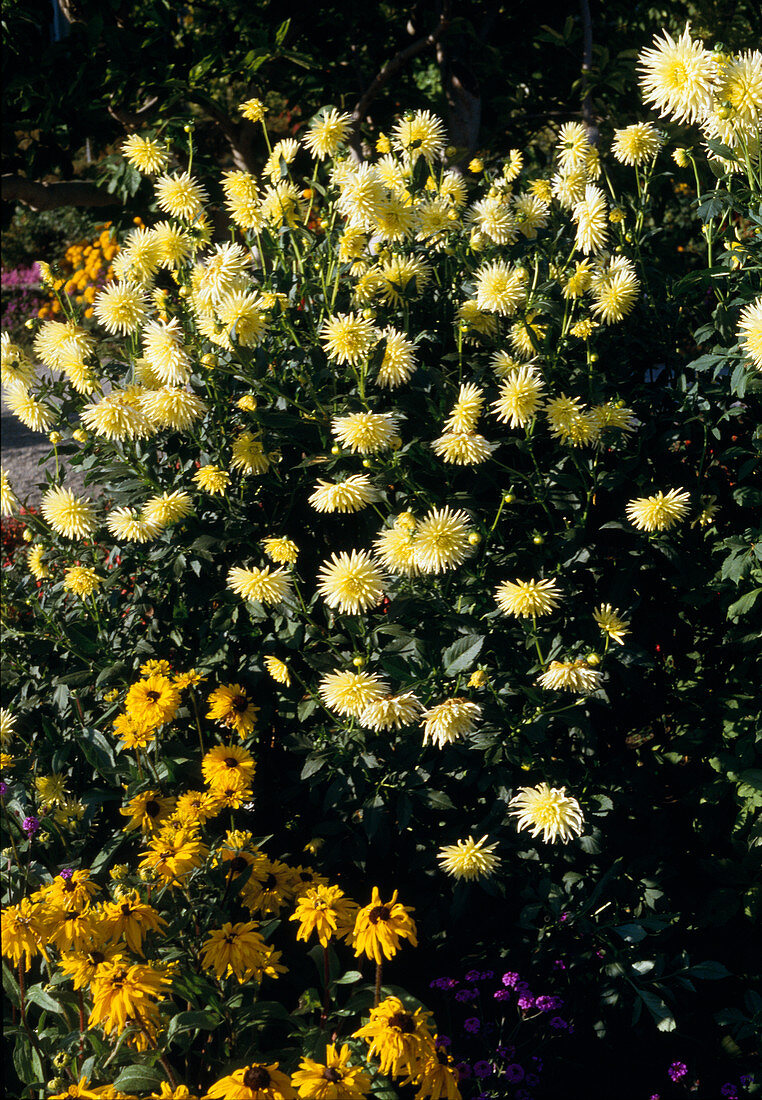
<point x="33" y="414"/>
<point x="659" y="512"/>
<point x="164" y="350"/>
<point x="351" y="693"/>
<point x="172" y="407"/>
<point x="750" y="332"/>
<point x="69" y="515"/>
<point x="128" y="525"/>
<point x="365" y="433"/>
<point x="462" y="448"/>
<point x="608" y="619"/>
<point x="264" y="585"/>
<point x="500" y="288"/>
<point x="327" y="133"/>
<point x="248" y="454"/>
<point x="520" y="396"/>
<point x="573" y="675"/>
<point x="398" y="363"/>
<point x="181" y="195"/>
<point x="442" y="540"/>
<point x="591" y="216"/>
<point x="573" y="146"/>
<point x="145" y="154"/>
<point x="281" y="550"/>
<point x="528" y="599"/>
<point x="469" y="859"/>
<point x="9" y="502"/>
<point x="449" y="720"/>
<point x="81" y="580"/>
<point x="676" y="77"/>
<point x="212" y="479"/>
<point x="118" y="415"/>
<point x="350" y="583"/>
<point x="547" y="810"/>
<point x="467" y="409"/>
<point x="348" y="338"/>
<point x="121" y="308"/>
<point x="419" y="134"/>
<point x="167" y="508"/>
<point x="391" y="712"/>
<point x="278" y="670"/>
<point x="350" y="495"/>
<point x="637" y="144"/>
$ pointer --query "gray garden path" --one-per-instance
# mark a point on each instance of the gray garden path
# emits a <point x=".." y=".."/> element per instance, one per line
<point x="21" y="451"/>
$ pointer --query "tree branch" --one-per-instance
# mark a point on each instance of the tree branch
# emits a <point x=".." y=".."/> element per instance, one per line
<point x="52" y="196"/>
<point x="133" y="119"/>
<point x="390" y="69"/>
<point x="587" y="64"/>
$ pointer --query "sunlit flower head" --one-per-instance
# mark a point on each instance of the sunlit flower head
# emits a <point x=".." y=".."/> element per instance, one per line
<point x="138" y="259"/>
<point x="659" y="512"/>
<point x="128" y="525"/>
<point x="258" y="1081"/>
<point x="500" y="288"/>
<point x="365" y="433"/>
<point x="531" y="214"/>
<point x="281" y="550"/>
<point x="224" y="762"/>
<point x="81" y="580"/>
<point x="327" y="133"/>
<point x="253" y="109"/>
<point x="248" y="454"/>
<point x="269" y="586"/>
<point x="335" y="1079"/>
<point x="610" y="623"/>
<point x="637" y="144"/>
<point x="447" y="721"/>
<point x="380" y="926"/>
<point x="469" y="859"/>
<point x="33" y="414"/>
<point x="676" y="77"/>
<point x="350" y="495"/>
<point x="167" y="508"/>
<point x="326" y="911"/>
<point x="573" y="146"/>
<point x="348" y="338"/>
<point x="173" y="244"/>
<point x="521" y="395"/>
<point x="615" y="291"/>
<point x="462" y="448"/>
<point x="395" y="547"/>
<point x="118" y="415"/>
<point x="243" y="319"/>
<point x="282" y="204"/>
<point x="69" y="515"/>
<point x="350" y="583"/>
<point x="153" y="700"/>
<point x="442" y="540"/>
<point x="212" y="479"/>
<point x="467" y="409"/>
<point x="350" y="693"/>
<point x="403" y="279"/>
<point x="9" y="502"/>
<point x="15" y="367"/>
<point x="750" y="332"/>
<point x="528" y="599"/>
<point x="163" y="348"/>
<point x="573" y="675"/>
<point x="235" y="950"/>
<point x="391" y="712"/>
<point x="145" y="154"/>
<point x="172" y="407"/>
<point x="37" y="566"/>
<point x="547" y="810"/>
<point x="283" y="153"/>
<point x="278" y="670"/>
<point x="419" y="134"/>
<point x="181" y="195"/>
<point x="495" y="217"/>
<point x="398" y="1037"/>
<point x="121" y="308"/>
<point x="591" y="216"/>
<point x="398" y="363"/>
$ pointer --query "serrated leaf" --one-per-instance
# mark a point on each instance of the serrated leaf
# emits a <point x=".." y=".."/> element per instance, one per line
<point x="462" y="653"/>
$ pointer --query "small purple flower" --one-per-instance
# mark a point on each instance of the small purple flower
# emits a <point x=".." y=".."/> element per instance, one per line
<point x="443" y="1040"/>
<point x="564" y="918"/>
<point x="487" y="974"/>
<point x="549" y="1004"/>
<point x="464" y="1070"/>
<point x="464" y="995"/>
<point x="472" y="1024"/>
<point x="526" y="1000"/>
<point x="745" y="1079"/>
<point x="502" y="995"/>
<point x="522" y="987"/>
<point x="510" y="978"/>
<point x="30" y="825"/>
<point x="3" y="788"/>
<point x="558" y="1023"/>
<point x="482" y="1069"/>
<point x="559" y="964"/>
<point x="472" y="975"/>
<point x="730" y="1091"/>
<point x="505" y="1052"/>
<point x="654" y="1096"/>
<point x="514" y="1073"/>
<point x="532" y="1080"/>
<point x="677" y="1070"/>
<point x="443" y="983"/>
<point x="66" y="874"/>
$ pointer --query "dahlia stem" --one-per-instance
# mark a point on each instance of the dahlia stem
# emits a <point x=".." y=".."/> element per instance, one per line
<point x="377" y="991"/>
<point x="81" y="1029"/>
<point x="326" y="993"/>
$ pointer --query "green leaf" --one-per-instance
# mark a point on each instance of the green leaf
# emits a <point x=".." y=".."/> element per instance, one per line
<point x="139" y="1078"/>
<point x="462" y="654"/>
<point x="37" y="995"/>
<point x="658" y="1008"/>
<point x="98" y="751"/>
<point x="193" y="1021"/>
<point x="709" y="971"/>
<point x="349" y="978"/>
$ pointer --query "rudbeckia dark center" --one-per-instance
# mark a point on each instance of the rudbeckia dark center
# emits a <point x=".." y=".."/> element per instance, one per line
<point x="379" y="912"/>
<point x="126" y="908"/>
<point x="256" y="1077"/>
<point x="231" y="761"/>
<point x="403" y="1022"/>
<point x="96" y="957"/>
<point x="239" y="703"/>
<point x="69" y="886"/>
<point x="154" y="696"/>
<point x="442" y="1057"/>
<point x="270" y="881"/>
<point x="237" y="865"/>
<point x="331" y="1074"/>
<point x="153" y="808"/>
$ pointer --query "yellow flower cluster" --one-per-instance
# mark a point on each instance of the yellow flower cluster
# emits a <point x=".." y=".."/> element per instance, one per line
<point x="85" y="266"/>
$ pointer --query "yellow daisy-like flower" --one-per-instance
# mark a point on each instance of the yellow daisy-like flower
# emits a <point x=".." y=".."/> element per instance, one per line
<point x="212" y="479"/>
<point x="659" y="512"/>
<point x="195" y="808"/>
<point x="441" y="540"/>
<point x="750" y="332"/>
<point x="500" y="288"/>
<point x="130" y="919"/>
<point x="676" y="77"/>
<point x="528" y="598"/>
<point x="391" y="712"/>
<point x="637" y="144"/>
<point x="231" y="705"/>
<point x="350" y="583"/>
<point x="7" y="727"/>
<point x="469" y="859"/>
<point x="395" y="546"/>
<point x="51" y="789"/>
<point x="253" y="109"/>
<point x="350" y="495"/>
<point x="327" y="133"/>
<point x="145" y="154"/>
<point x="350" y="693"/>
<point x="224" y="762"/>
<point x="173" y="244"/>
<point x="400" y="1039"/>
<point x="281" y="550"/>
<point x="23" y="932"/>
<point x="163" y="348"/>
<point x="33" y="414"/>
<point x="284" y="151"/>
<point x="547" y="810"/>
<point x="14" y="365"/>
<point x="117" y="416"/>
<point x="573" y="146"/>
<point x="446" y="721"/>
<point x="573" y="675"/>
<point x="9" y="502"/>
<point x="531" y="214"/>
<point x="147" y="811"/>
<point x="419" y="134"/>
<point x="123" y="993"/>
<point x="172" y="407"/>
<point x="467" y="409"/>
<point x="278" y="670"/>
<point x="121" y="308"/>
<point x="70" y="516"/>
<point x="348" y="338"/>
<point x="167" y="508"/>
<point x="403" y="279"/>
<point x="181" y="196"/>
<point x="327" y="911"/>
<point x="380" y="926"/>
<point x="234" y="949"/>
<point x="333" y="1080"/>
<point x="133" y="734"/>
<point x="591" y="216"/>
<point x="495" y="217"/>
<point x="615" y="290"/>
<point x="173" y="854"/>
<point x="81" y="580"/>
<point x="614" y="627"/>
<point x="521" y="395"/>
<point x="255" y="1082"/>
<point x="281" y="204"/>
<point x="243" y="319"/>
<point x="462" y="448"/>
<point x="398" y="363"/>
<point x="130" y="526"/>
<point x="265" y="585"/>
<point x="153" y="701"/>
